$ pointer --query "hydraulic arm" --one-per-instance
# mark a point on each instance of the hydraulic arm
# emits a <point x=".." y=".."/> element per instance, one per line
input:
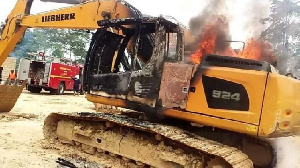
<point x="81" y="16"/>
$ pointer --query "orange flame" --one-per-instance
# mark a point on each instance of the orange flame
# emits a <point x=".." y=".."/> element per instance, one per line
<point x="255" y="49"/>
<point x="208" y="39"/>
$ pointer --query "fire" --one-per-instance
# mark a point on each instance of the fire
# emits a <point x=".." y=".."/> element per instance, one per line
<point x="257" y="49"/>
<point x="213" y="38"/>
<point x="210" y="38"/>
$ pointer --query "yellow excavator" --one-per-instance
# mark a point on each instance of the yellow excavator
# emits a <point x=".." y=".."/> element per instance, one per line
<point x="224" y="112"/>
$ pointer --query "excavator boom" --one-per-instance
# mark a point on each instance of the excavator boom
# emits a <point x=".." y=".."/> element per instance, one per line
<point x="81" y="16"/>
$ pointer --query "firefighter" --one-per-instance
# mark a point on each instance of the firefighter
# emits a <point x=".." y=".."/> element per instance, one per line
<point x="77" y="85"/>
<point x="12" y="76"/>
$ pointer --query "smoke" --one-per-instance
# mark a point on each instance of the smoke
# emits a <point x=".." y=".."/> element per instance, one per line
<point x="253" y="12"/>
<point x="288" y="154"/>
<point x="210" y="11"/>
<point x="233" y="17"/>
<point x="212" y="17"/>
<point x="243" y="17"/>
<point x="288" y="64"/>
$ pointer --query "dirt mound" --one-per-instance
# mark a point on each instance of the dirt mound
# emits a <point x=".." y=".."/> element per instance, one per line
<point x="7" y="117"/>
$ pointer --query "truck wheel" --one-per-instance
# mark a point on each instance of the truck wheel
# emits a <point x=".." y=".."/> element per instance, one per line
<point x="34" y="89"/>
<point x="53" y="91"/>
<point x="61" y="89"/>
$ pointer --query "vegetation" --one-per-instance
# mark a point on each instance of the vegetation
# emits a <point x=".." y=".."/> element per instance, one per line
<point x="55" y="42"/>
<point x="284" y="27"/>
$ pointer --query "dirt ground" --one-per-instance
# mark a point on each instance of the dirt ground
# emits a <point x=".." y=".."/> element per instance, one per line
<point x="21" y="135"/>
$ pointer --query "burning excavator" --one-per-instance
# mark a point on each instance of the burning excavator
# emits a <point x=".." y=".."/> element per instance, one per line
<point x="222" y="112"/>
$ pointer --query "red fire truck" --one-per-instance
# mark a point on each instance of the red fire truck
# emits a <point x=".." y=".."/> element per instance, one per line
<point x="55" y="77"/>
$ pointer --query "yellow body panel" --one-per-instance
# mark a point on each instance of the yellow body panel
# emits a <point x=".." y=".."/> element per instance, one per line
<point x="274" y="104"/>
<point x="254" y="83"/>
<point x="213" y="121"/>
<point x="281" y="110"/>
<point x="106" y="101"/>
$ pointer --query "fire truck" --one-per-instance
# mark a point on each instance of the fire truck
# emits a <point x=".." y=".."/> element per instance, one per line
<point x="55" y="76"/>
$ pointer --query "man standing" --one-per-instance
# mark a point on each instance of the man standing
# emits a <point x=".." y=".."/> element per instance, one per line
<point x="77" y="85"/>
<point x="12" y="77"/>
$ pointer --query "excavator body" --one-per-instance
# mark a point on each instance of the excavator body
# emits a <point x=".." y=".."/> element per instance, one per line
<point x="225" y="110"/>
<point x="224" y="92"/>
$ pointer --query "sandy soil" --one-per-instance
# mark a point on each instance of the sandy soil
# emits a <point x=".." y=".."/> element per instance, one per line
<point x="21" y="131"/>
<point x="21" y="135"/>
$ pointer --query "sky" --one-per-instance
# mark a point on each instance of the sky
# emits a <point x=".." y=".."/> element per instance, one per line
<point x="182" y="10"/>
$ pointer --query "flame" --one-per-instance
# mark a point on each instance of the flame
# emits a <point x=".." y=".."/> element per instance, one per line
<point x="209" y="39"/>
<point x="211" y="35"/>
<point x="257" y="49"/>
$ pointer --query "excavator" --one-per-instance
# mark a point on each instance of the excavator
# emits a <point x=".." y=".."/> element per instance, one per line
<point x="223" y="112"/>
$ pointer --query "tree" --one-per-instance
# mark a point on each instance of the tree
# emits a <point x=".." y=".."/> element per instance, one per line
<point x="283" y="28"/>
<point x="68" y="41"/>
<point x="57" y="42"/>
<point x="24" y="46"/>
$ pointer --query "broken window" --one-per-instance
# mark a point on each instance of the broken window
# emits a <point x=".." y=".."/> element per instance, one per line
<point x="105" y="53"/>
<point x="115" y="54"/>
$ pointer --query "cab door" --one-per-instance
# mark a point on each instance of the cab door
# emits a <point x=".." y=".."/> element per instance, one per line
<point x="105" y="77"/>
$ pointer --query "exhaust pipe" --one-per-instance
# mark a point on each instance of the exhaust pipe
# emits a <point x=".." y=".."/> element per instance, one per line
<point x="66" y="1"/>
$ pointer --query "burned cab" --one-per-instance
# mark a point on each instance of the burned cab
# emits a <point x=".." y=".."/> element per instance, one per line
<point x="126" y="58"/>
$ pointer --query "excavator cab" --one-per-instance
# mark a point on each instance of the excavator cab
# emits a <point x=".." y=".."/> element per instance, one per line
<point x="126" y="58"/>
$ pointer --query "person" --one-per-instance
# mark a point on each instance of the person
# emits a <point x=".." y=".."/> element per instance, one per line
<point x="12" y="77"/>
<point x="77" y="85"/>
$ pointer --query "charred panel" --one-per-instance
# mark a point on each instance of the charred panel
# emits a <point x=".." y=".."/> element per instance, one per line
<point x="175" y="84"/>
<point x="145" y="87"/>
<point x="223" y="94"/>
<point x="113" y="84"/>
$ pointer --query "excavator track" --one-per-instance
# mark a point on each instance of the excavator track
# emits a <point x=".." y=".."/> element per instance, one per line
<point x="145" y="143"/>
<point x="9" y="95"/>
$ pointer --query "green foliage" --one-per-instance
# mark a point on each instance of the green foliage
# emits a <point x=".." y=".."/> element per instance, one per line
<point x="24" y="46"/>
<point x="57" y="42"/>
<point x="284" y="24"/>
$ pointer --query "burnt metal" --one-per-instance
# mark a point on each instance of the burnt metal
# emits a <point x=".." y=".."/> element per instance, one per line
<point x="28" y="7"/>
<point x="234" y="62"/>
<point x="90" y="58"/>
<point x="244" y="44"/>
<point x="114" y="84"/>
<point x="175" y="83"/>
<point x="145" y="41"/>
<point x="145" y="87"/>
<point x="193" y="89"/>
<point x="65" y="163"/>
<point x="1" y="69"/>
<point x="147" y="22"/>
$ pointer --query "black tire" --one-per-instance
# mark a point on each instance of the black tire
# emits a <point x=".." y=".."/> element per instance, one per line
<point x="53" y="91"/>
<point x="61" y="89"/>
<point x="34" y="89"/>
